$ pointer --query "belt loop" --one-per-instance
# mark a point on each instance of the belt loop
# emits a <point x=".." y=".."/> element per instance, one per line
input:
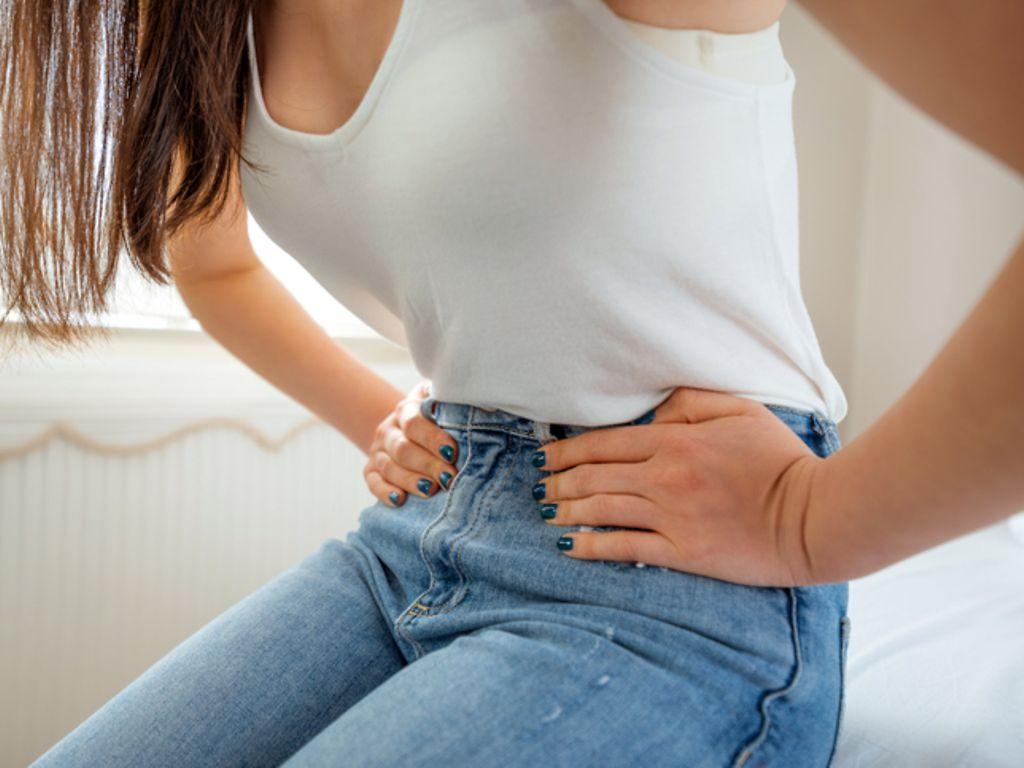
<point x="542" y="432"/>
<point x="427" y="407"/>
<point x="816" y="422"/>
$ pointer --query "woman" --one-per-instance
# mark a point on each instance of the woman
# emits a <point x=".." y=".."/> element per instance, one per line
<point x="565" y="227"/>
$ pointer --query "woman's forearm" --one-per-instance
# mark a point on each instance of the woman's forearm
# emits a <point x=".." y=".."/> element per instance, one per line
<point x="946" y="459"/>
<point x="251" y="314"/>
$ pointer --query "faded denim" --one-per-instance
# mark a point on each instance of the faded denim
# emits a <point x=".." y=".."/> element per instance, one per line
<point x="451" y="631"/>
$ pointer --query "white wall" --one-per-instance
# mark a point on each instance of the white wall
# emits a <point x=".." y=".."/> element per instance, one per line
<point x="902" y="223"/>
<point x="940" y="218"/>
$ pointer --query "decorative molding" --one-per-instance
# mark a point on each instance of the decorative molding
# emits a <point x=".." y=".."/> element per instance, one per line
<point x="63" y="431"/>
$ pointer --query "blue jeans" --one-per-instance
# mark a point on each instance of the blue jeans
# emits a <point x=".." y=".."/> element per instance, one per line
<point x="451" y="631"/>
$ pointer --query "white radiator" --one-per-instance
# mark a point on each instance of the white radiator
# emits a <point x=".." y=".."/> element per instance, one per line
<point x="107" y="562"/>
<point x="184" y="483"/>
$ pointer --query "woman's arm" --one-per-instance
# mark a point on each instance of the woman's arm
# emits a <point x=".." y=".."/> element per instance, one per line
<point x="948" y="456"/>
<point x="245" y="308"/>
<point x="945" y="459"/>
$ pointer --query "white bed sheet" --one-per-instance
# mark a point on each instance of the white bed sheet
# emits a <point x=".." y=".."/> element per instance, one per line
<point x="935" y="669"/>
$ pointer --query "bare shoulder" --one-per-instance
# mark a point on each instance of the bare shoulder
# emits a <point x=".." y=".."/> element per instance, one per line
<point x="733" y="16"/>
<point x="201" y="250"/>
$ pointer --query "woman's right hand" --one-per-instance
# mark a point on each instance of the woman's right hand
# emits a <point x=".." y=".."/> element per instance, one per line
<point x="409" y="453"/>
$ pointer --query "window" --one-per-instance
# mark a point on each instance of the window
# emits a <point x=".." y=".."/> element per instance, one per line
<point x="139" y="303"/>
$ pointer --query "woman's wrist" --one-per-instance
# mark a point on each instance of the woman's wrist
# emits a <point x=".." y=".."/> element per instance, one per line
<point x="368" y="399"/>
<point x="943" y="461"/>
<point x="838" y="524"/>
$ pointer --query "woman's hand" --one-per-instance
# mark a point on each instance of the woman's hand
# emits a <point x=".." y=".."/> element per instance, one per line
<point x="716" y="484"/>
<point x="409" y="453"/>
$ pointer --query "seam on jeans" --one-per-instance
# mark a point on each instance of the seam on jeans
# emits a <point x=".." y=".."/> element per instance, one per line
<point x="771" y="696"/>
<point x="498" y="426"/>
<point x="493" y="425"/>
<point x="423" y="552"/>
<point x="495" y="485"/>
<point x="844" y="640"/>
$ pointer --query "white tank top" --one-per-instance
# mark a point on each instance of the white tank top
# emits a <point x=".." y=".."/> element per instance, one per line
<point x="554" y="217"/>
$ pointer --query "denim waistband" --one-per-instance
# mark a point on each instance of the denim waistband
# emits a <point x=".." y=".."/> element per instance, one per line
<point x="446" y="413"/>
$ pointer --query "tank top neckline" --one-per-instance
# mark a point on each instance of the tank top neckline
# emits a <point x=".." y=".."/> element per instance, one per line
<point x="345" y="133"/>
<point x="604" y="19"/>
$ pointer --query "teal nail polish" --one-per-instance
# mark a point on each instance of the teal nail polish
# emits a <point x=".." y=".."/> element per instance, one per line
<point x="565" y="542"/>
<point x="547" y="511"/>
<point x="538" y="458"/>
<point x="394" y="496"/>
<point x="446" y="479"/>
<point x="446" y="452"/>
<point x="425" y="485"/>
<point x="538" y="491"/>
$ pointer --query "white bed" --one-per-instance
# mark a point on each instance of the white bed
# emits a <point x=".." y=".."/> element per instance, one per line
<point x="935" y="671"/>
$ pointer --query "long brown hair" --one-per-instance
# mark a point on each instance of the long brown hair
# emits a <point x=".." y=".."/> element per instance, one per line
<point x="120" y="120"/>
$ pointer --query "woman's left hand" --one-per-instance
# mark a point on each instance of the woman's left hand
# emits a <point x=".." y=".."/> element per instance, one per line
<point x="718" y="485"/>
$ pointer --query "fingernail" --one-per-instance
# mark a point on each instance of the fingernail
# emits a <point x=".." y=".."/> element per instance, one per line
<point x="538" y="491"/>
<point x="446" y="479"/>
<point x="547" y="511"/>
<point x="538" y="458"/>
<point x="394" y="496"/>
<point x="424" y="485"/>
<point x="565" y="542"/>
<point x="447" y="452"/>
